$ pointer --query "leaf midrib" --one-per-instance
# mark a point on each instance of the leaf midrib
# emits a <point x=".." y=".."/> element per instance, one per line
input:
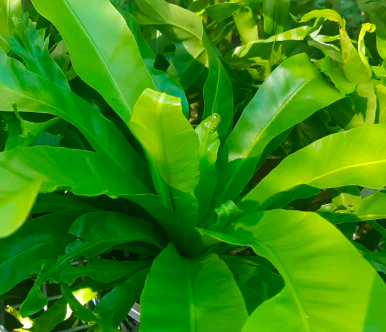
<point x="288" y="283"/>
<point x="245" y="154"/>
<point x="100" y="56"/>
<point x="340" y="169"/>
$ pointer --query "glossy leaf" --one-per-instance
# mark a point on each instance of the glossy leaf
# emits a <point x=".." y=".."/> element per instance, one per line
<point x="104" y="42"/>
<point x="192" y="45"/>
<point x="195" y="289"/>
<point x="257" y="283"/>
<point x="38" y="240"/>
<point x="29" y="44"/>
<point x="163" y="82"/>
<point x="115" y="306"/>
<point x="209" y="144"/>
<point x="281" y="102"/>
<point x="99" y="231"/>
<point x="88" y="174"/>
<point x="333" y="161"/>
<point x="329" y="273"/>
<point x="17" y="196"/>
<point x="33" y="93"/>
<point x="276" y="13"/>
<point x="171" y="146"/>
<point x="246" y="24"/>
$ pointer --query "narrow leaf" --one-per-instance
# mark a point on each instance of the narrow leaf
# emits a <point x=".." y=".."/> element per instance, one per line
<point x="333" y="161"/>
<point x="104" y="42"/>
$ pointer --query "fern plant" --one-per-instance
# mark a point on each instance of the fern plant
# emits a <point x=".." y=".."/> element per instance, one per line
<point x="157" y="209"/>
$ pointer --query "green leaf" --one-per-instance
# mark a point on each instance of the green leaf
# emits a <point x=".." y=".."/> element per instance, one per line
<point x="102" y="270"/>
<point x="209" y="144"/>
<point x="104" y="42"/>
<point x="257" y="283"/>
<point x="88" y="173"/>
<point x="162" y="81"/>
<point x="186" y="31"/>
<point x="55" y="202"/>
<point x="78" y="309"/>
<point x="33" y="93"/>
<point x="377" y="13"/>
<point x="246" y="24"/>
<point x="17" y="196"/>
<point x="276" y="13"/>
<point x="22" y="133"/>
<point x="29" y="44"/>
<point x="322" y="286"/>
<point x="282" y="101"/>
<point x="370" y="208"/>
<point x="8" y="8"/>
<point x="380" y="90"/>
<point x="356" y="69"/>
<point x="354" y="157"/>
<point x="345" y="198"/>
<point x="115" y="306"/>
<point x="99" y="231"/>
<point x="171" y="147"/>
<point x="38" y="240"/>
<point x="196" y="290"/>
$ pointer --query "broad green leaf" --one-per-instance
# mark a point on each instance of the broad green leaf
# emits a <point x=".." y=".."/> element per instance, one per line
<point x="185" y="30"/>
<point x="171" y="147"/>
<point x="115" y="306"/>
<point x="88" y="173"/>
<point x="102" y="270"/>
<point x="276" y="13"/>
<point x="246" y="24"/>
<point x="17" y="196"/>
<point x="163" y="82"/>
<point x="320" y="287"/>
<point x="196" y="290"/>
<point x="8" y="8"/>
<point x="56" y="202"/>
<point x="354" y="157"/>
<point x="282" y="101"/>
<point x="33" y="93"/>
<point x="38" y="240"/>
<point x="104" y="42"/>
<point x="209" y="144"/>
<point x="29" y="44"/>
<point x="99" y="232"/>
<point x="22" y="133"/>
<point x="256" y="282"/>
